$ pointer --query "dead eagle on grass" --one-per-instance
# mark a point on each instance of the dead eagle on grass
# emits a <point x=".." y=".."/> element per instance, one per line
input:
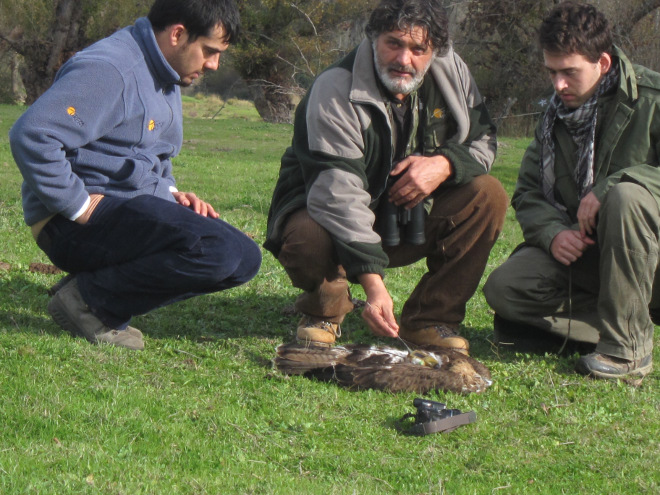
<point x="385" y="368"/>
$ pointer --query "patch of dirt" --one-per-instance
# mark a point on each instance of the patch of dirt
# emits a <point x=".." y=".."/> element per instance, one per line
<point x="44" y="268"/>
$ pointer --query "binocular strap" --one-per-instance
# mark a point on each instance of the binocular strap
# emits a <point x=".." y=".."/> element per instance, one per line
<point x="443" y="425"/>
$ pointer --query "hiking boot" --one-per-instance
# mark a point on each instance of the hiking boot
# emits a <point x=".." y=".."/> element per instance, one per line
<point x="609" y="367"/>
<point x="317" y="331"/>
<point x="440" y="335"/>
<point x="69" y="311"/>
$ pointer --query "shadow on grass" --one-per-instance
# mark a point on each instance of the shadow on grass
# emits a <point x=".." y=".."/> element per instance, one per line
<point x="221" y="316"/>
<point x="23" y="303"/>
<point x="535" y="353"/>
<point x="10" y="321"/>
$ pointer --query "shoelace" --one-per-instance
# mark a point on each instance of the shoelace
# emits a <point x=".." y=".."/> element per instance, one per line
<point x="570" y="309"/>
<point x="329" y="327"/>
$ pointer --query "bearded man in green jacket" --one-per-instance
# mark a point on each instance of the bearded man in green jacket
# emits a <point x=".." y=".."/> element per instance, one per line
<point x="402" y="106"/>
<point x="587" y="202"/>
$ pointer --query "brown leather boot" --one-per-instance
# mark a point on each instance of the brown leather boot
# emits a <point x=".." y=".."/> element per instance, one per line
<point x="317" y="331"/>
<point x="440" y="335"/>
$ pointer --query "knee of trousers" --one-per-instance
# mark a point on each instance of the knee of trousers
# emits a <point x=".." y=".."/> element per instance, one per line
<point x="250" y="262"/>
<point x="628" y="208"/>
<point x="498" y="291"/>
<point x="625" y="198"/>
<point x="491" y="198"/>
<point x="305" y="242"/>
<point x="229" y="261"/>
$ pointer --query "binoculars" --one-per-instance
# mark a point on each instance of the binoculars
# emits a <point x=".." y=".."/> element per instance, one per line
<point x="397" y="223"/>
<point x="429" y="410"/>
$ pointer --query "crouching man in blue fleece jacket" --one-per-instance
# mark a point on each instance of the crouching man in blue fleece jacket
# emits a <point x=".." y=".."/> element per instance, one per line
<point x="95" y="153"/>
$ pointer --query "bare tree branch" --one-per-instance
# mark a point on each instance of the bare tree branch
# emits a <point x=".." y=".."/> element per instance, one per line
<point x="642" y="10"/>
<point x="316" y="33"/>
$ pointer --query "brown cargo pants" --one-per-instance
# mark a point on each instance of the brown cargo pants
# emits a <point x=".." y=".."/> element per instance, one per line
<point x="460" y="231"/>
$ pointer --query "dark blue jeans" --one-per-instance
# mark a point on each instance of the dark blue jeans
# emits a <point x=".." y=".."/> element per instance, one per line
<point x="135" y="255"/>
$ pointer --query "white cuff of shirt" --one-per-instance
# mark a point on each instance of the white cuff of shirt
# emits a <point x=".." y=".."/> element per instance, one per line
<point x="81" y="210"/>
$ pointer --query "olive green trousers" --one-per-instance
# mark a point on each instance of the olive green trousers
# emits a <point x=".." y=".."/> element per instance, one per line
<point x="605" y="295"/>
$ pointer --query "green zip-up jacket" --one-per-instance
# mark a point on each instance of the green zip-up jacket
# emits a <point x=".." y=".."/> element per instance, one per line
<point x="341" y="153"/>
<point x="627" y="148"/>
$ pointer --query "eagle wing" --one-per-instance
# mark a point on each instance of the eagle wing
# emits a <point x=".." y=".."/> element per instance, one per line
<point x="297" y="359"/>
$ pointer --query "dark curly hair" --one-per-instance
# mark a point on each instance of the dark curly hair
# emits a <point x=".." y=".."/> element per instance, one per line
<point x="199" y="17"/>
<point x="392" y="15"/>
<point x="576" y="28"/>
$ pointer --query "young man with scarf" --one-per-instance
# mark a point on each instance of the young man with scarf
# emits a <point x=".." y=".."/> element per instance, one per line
<point x="587" y="202"/>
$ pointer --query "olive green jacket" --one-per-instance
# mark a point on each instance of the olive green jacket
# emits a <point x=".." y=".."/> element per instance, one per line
<point x="627" y="148"/>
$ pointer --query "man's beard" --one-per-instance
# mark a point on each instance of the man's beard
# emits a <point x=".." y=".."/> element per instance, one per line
<point x="399" y="85"/>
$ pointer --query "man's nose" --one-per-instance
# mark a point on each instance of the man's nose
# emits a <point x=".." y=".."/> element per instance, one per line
<point x="213" y="62"/>
<point x="559" y="83"/>
<point x="405" y="57"/>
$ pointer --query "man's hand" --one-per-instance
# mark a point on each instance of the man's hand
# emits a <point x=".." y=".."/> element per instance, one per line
<point x="586" y="214"/>
<point x="421" y="176"/>
<point x="191" y="201"/>
<point x="568" y="246"/>
<point x="379" y="312"/>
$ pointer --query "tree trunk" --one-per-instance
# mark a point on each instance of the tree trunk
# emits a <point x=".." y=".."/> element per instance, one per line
<point x="15" y="77"/>
<point x="273" y="103"/>
<point x="43" y="58"/>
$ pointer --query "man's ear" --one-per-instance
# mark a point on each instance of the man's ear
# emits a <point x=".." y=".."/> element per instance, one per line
<point x="177" y="34"/>
<point x="605" y="62"/>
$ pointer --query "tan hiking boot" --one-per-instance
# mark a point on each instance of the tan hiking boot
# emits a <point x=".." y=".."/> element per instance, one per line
<point x="441" y="335"/>
<point x="317" y="331"/>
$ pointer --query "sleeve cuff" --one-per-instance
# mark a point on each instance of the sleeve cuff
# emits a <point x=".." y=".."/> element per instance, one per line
<point x="81" y="210"/>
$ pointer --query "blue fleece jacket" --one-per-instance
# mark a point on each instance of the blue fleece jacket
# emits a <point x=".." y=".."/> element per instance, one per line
<point x="109" y="124"/>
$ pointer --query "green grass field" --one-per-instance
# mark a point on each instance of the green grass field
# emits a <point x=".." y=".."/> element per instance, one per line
<point x="201" y="411"/>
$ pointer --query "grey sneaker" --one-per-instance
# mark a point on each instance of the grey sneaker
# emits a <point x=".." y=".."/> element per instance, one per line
<point x="130" y="338"/>
<point x="60" y="283"/>
<point x="69" y="311"/>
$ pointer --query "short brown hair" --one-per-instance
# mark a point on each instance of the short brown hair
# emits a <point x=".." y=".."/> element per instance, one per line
<point x="576" y="28"/>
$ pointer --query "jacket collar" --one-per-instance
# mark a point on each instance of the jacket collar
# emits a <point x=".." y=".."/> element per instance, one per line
<point x="364" y="88"/>
<point x="163" y="72"/>
<point x="628" y="83"/>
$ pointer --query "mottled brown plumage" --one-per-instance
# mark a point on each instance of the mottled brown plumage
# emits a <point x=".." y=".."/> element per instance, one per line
<point x="385" y="368"/>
